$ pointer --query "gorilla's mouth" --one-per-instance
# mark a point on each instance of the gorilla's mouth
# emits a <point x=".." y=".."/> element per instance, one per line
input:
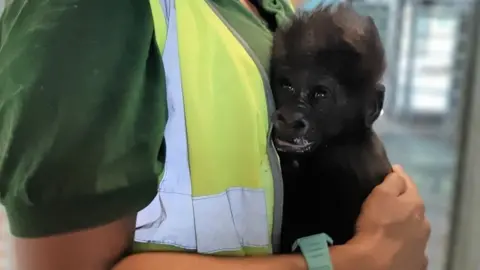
<point x="297" y="145"/>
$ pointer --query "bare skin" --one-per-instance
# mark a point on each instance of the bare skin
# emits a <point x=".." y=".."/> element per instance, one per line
<point x="397" y="234"/>
<point x="392" y="235"/>
<point x="179" y="261"/>
<point x="251" y="7"/>
<point x="95" y="249"/>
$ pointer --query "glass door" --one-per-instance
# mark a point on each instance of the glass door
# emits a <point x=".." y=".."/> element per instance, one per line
<point x="422" y="120"/>
<point x="428" y="45"/>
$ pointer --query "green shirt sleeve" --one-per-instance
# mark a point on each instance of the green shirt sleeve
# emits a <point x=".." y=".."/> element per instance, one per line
<point x="82" y="113"/>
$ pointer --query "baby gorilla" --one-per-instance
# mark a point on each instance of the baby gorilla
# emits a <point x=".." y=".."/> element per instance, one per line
<point x="326" y="69"/>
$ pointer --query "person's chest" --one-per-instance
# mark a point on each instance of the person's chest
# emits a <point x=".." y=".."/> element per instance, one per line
<point x="251" y="27"/>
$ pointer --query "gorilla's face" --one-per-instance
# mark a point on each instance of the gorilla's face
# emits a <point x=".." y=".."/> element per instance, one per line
<point x="324" y="72"/>
<point x="313" y="108"/>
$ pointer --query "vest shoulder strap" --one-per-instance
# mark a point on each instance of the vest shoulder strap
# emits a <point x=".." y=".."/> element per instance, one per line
<point x="160" y="12"/>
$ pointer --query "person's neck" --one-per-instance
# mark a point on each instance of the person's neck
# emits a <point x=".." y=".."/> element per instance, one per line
<point x="250" y="7"/>
<point x="265" y="16"/>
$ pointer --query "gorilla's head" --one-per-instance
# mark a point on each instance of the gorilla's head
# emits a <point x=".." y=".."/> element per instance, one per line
<point x="325" y="70"/>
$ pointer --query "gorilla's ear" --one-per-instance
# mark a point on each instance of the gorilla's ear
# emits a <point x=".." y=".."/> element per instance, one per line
<point x="375" y="105"/>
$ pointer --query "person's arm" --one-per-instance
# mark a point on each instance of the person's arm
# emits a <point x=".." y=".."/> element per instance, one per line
<point x="345" y="257"/>
<point x="82" y="114"/>
<point x="392" y="233"/>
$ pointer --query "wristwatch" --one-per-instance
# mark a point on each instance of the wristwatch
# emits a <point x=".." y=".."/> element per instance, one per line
<point x="315" y="250"/>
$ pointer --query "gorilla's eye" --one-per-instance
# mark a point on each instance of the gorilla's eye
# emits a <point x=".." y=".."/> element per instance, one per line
<point x="285" y="84"/>
<point x="289" y="88"/>
<point x="320" y="92"/>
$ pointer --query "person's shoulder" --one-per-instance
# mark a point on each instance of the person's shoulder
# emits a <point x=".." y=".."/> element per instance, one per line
<point x="74" y="76"/>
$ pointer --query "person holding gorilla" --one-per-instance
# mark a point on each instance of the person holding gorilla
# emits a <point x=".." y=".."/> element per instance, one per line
<point x="83" y="111"/>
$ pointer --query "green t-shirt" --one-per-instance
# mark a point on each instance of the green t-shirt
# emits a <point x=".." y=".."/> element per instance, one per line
<point x="83" y="108"/>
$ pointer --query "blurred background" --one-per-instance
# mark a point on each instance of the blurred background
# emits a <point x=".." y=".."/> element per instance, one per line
<point x="431" y="124"/>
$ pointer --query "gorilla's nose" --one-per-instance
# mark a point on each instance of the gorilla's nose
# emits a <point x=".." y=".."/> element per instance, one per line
<point x="294" y="122"/>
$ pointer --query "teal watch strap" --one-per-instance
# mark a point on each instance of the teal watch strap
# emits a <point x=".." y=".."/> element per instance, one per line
<point x="315" y="250"/>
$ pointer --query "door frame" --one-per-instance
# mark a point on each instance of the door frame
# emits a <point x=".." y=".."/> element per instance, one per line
<point x="464" y="244"/>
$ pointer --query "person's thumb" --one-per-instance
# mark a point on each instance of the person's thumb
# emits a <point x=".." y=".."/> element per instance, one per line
<point x="408" y="180"/>
<point x="394" y="184"/>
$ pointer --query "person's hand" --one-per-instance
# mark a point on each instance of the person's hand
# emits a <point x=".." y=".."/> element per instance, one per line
<point x="392" y="225"/>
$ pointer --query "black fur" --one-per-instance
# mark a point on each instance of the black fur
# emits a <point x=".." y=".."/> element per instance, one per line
<point x="326" y="69"/>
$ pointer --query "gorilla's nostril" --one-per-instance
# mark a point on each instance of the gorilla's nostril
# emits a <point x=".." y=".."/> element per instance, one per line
<point x="280" y="117"/>
<point x="299" y="124"/>
<point x="290" y="122"/>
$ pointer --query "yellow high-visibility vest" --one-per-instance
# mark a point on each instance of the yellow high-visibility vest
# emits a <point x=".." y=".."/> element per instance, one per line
<point x="221" y="189"/>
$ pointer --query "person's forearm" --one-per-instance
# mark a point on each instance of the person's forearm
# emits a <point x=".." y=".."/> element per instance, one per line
<point x="343" y="258"/>
<point x="348" y="257"/>
<point x="187" y="261"/>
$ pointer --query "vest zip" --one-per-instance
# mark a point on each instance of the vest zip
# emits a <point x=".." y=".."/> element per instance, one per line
<point x="272" y="154"/>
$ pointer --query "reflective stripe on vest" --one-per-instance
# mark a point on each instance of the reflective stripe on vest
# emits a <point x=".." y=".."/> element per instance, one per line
<point x="218" y="191"/>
